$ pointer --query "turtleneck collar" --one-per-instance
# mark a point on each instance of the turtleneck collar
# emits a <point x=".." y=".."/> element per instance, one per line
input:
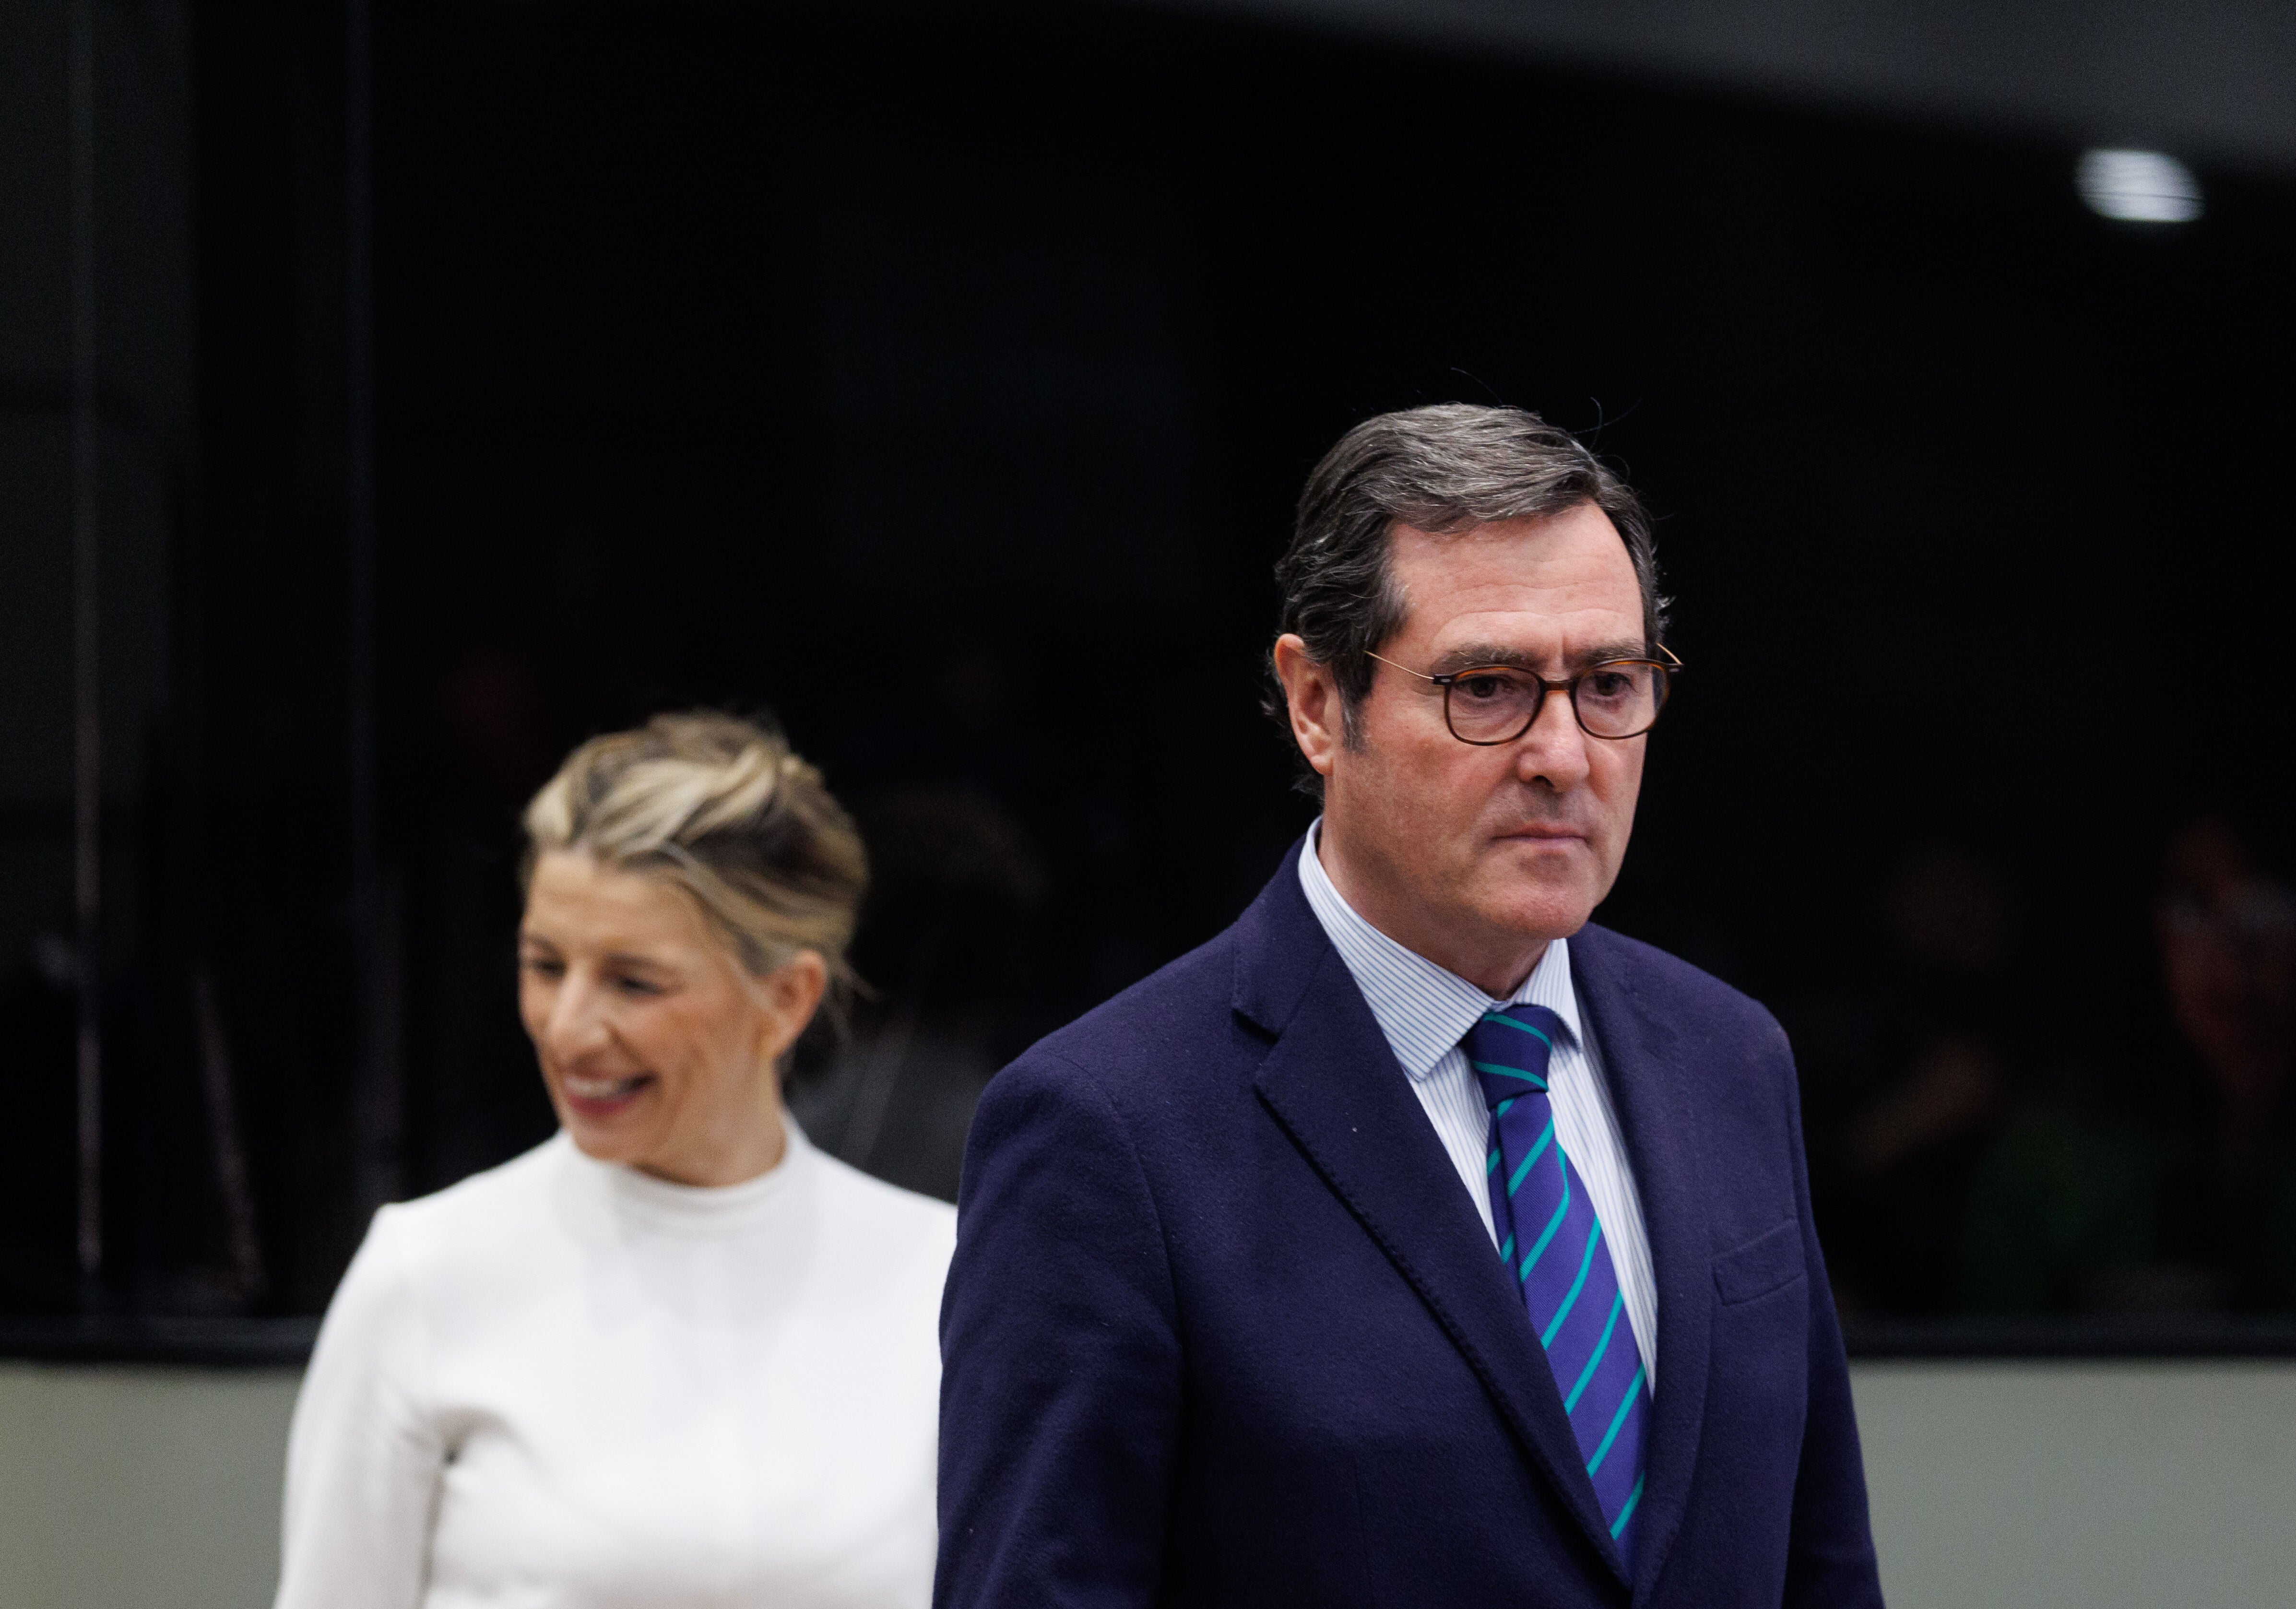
<point x="699" y="1209"/>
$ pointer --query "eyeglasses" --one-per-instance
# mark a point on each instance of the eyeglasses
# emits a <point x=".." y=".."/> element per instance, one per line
<point x="1488" y="705"/>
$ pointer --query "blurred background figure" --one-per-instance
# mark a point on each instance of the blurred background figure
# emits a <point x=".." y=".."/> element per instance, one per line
<point x="950" y="927"/>
<point x="2227" y="938"/>
<point x="2168" y="1183"/>
<point x="1914" y="1072"/>
<point x="1908" y="1078"/>
<point x="674" y="1356"/>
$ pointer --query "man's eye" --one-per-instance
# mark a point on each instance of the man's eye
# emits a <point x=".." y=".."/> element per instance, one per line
<point x="1610" y="683"/>
<point x="1485" y="687"/>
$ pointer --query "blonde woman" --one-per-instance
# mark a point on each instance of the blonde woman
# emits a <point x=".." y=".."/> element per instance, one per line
<point x="674" y="1356"/>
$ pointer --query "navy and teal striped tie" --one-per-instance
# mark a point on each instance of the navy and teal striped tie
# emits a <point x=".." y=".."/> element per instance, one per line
<point x="1551" y="1241"/>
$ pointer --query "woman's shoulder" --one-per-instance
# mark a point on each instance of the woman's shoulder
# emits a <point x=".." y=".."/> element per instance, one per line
<point x="869" y="1208"/>
<point x="475" y="1211"/>
<point x="421" y="1259"/>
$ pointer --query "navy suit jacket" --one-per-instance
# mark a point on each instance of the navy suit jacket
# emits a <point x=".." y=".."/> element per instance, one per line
<point x="1223" y="1327"/>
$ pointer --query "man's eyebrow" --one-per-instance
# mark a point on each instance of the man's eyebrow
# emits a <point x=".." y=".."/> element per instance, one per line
<point x="1474" y="656"/>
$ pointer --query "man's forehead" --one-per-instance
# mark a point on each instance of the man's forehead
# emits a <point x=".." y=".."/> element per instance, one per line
<point x="1504" y="561"/>
<point x="1580" y="519"/>
<point x="1536" y="591"/>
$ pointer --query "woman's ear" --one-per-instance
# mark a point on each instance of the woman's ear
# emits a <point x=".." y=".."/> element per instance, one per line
<point x="791" y="994"/>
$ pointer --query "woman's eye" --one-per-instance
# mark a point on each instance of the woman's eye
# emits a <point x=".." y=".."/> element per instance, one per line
<point x="635" y="986"/>
<point x="541" y="968"/>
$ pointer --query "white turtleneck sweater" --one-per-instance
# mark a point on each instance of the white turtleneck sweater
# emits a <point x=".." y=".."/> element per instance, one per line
<point x="565" y="1384"/>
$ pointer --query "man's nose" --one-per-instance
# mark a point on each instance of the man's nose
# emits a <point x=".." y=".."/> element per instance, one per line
<point x="1555" y="750"/>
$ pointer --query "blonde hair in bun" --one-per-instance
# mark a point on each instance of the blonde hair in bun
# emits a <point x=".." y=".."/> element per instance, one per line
<point x="722" y="807"/>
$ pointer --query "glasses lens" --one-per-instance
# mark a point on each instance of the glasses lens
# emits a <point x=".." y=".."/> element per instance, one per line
<point x="1619" y="700"/>
<point x="1491" y="706"/>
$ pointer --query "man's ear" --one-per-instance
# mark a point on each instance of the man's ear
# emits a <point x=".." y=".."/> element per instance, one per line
<point x="1312" y="699"/>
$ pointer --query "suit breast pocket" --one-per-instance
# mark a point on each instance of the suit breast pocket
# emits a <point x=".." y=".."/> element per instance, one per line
<point x="1768" y="1262"/>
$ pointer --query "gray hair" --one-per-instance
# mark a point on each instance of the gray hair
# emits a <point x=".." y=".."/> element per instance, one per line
<point x="1444" y="469"/>
<point x="720" y="808"/>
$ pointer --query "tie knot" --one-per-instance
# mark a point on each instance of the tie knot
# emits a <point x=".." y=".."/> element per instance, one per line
<point x="1507" y="1049"/>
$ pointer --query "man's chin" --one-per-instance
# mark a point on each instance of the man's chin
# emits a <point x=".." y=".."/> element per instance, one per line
<point x="1545" y="923"/>
<point x="1543" y="907"/>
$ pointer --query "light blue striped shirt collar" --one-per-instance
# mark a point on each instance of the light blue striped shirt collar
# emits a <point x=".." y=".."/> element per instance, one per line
<point x="1423" y="1009"/>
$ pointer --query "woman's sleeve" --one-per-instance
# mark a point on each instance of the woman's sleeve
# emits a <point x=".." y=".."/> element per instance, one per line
<point x="365" y="1454"/>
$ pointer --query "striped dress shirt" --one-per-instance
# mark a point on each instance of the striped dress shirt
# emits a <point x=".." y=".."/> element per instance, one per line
<point x="1425" y="1011"/>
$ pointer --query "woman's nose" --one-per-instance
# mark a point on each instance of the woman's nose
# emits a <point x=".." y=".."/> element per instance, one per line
<point x="577" y="1019"/>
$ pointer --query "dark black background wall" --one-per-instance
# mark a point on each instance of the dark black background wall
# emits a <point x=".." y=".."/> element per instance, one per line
<point x="944" y="383"/>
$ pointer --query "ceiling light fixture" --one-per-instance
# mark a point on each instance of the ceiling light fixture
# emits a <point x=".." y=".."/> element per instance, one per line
<point x="2138" y="186"/>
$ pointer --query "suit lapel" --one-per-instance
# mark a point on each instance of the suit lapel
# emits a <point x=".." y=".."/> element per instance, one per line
<point x="1649" y="1071"/>
<point x="1333" y="1084"/>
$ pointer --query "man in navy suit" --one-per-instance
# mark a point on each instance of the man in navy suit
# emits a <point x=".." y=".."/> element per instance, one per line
<point x="1413" y="1242"/>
